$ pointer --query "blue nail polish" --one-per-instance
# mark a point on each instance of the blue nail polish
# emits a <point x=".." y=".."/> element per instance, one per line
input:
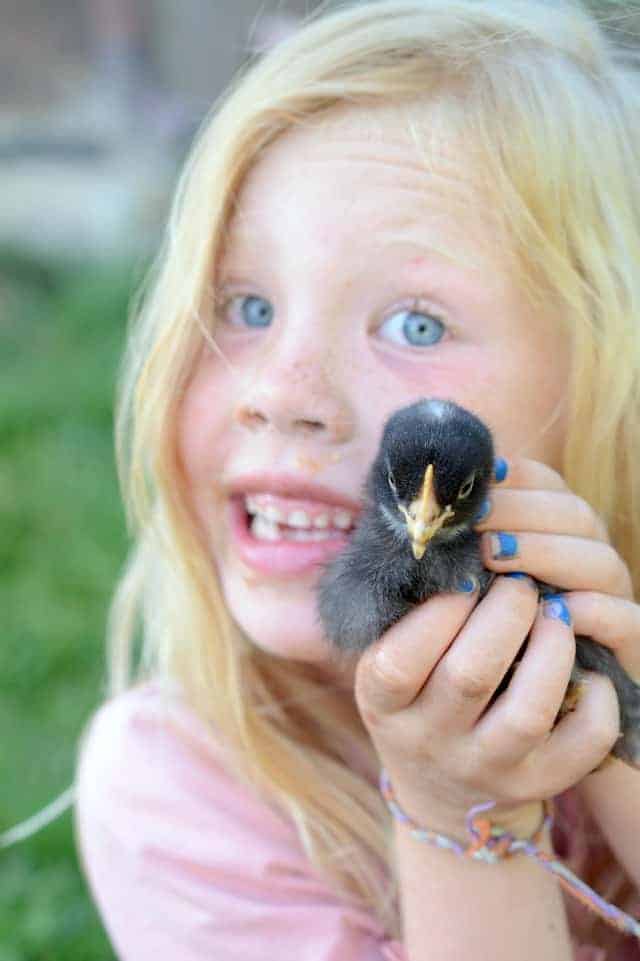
<point x="520" y="575"/>
<point x="485" y="507"/>
<point x="504" y="546"/>
<point x="500" y="469"/>
<point x="555" y="607"/>
<point x="467" y="585"/>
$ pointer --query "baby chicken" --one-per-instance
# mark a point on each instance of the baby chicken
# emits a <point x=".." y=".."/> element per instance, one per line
<point x="415" y="538"/>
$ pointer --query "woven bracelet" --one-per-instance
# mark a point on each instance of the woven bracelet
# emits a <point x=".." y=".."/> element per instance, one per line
<point x="491" y="843"/>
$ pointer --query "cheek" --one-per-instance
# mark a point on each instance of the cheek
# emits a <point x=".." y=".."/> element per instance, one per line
<point x="520" y="393"/>
<point x="468" y="376"/>
<point x="515" y="389"/>
<point x="201" y="422"/>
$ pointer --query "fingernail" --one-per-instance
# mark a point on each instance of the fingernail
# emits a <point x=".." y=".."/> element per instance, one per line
<point x="500" y="469"/>
<point x="467" y="585"/>
<point x="520" y="575"/>
<point x="485" y="507"/>
<point x="503" y="546"/>
<point x="555" y="607"/>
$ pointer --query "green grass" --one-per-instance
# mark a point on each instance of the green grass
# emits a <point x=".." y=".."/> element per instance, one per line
<point x="62" y="545"/>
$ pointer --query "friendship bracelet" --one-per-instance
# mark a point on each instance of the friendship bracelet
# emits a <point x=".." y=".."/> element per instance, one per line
<point x="491" y="844"/>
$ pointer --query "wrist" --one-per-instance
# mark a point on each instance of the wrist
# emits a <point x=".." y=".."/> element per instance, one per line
<point x="493" y="842"/>
<point x="521" y="820"/>
<point x="460" y="821"/>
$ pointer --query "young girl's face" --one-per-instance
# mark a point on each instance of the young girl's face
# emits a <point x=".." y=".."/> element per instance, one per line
<point x="358" y="276"/>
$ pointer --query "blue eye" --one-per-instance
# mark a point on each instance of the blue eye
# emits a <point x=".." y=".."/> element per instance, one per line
<point x="418" y="328"/>
<point x="254" y="311"/>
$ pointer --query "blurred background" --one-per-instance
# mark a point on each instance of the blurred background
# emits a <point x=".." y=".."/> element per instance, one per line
<point x="99" y="102"/>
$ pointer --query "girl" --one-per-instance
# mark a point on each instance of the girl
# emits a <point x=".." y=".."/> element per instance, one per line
<point x="406" y="198"/>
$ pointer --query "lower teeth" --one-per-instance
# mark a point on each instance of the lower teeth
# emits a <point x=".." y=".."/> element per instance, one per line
<point x="266" y="530"/>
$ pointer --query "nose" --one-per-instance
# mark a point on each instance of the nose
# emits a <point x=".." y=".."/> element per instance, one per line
<point x="300" y="398"/>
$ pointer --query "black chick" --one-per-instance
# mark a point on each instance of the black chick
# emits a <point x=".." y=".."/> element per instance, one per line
<point x="415" y="538"/>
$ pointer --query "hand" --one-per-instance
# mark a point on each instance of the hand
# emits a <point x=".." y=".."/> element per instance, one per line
<point x="561" y="540"/>
<point x="425" y="704"/>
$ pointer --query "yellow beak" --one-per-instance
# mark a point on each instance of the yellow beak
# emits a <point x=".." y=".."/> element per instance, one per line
<point x="425" y="517"/>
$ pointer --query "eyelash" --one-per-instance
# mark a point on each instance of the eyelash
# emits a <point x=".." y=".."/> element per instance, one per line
<point x="415" y="305"/>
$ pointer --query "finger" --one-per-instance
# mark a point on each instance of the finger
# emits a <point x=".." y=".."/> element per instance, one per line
<point x="583" y="738"/>
<point x="391" y="673"/>
<point x="572" y="563"/>
<point x="552" y="511"/>
<point x="524" y="714"/>
<point x="612" y="621"/>
<point x="469" y="673"/>
<point x="523" y="472"/>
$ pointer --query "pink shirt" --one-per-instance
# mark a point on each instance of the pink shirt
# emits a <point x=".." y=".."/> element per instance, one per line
<point x="185" y="864"/>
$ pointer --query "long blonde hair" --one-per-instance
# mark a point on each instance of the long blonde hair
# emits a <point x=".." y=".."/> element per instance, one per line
<point x="553" y="113"/>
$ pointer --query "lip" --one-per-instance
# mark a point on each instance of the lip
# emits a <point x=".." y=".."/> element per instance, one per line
<point x="291" y="485"/>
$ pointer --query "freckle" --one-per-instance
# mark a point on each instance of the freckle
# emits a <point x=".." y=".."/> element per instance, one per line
<point x="308" y="463"/>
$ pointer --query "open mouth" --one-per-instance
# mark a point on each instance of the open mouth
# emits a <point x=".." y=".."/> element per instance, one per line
<point x="295" y="522"/>
<point x="287" y="538"/>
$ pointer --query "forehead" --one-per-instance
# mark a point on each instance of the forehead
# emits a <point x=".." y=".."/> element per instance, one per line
<point x="396" y="171"/>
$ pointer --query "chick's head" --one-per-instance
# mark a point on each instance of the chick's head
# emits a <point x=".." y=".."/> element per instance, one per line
<point x="432" y="471"/>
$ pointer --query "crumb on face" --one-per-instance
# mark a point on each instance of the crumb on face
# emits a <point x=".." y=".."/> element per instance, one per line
<point x="313" y="465"/>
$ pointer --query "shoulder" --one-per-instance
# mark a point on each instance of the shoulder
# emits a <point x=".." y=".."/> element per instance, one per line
<point x="145" y="752"/>
<point x="181" y="857"/>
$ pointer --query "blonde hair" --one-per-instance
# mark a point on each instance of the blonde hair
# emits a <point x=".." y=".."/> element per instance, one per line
<point x="553" y="113"/>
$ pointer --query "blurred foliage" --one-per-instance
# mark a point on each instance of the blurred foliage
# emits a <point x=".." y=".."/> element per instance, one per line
<point x="63" y="543"/>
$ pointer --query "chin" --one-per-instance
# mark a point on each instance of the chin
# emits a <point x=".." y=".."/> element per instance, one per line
<point x="278" y="619"/>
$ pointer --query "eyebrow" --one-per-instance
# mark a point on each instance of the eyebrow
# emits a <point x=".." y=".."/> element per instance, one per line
<point x="444" y="256"/>
<point x="401" y="232"/>
<point x="239" y="246"/>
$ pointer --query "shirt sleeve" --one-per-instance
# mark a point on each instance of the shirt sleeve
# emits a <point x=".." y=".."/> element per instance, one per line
<point x="184" y="863"/>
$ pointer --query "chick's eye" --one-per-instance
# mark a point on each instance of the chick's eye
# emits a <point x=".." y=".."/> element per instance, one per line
<point x="415" y="327"/>
<point x="466" y="488"/>
<point x="247" y="310"/>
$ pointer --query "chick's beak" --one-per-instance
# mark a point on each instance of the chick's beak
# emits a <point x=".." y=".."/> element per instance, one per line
<point x="425" y="517"/>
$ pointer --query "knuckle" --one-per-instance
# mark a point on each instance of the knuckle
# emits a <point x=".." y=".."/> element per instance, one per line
<point x="386" y="672"/>
<point x="589" y="520"/>
<point x="466" y="683"/>
<point x="531" y="724"/>
<point x="370" y="717"/>
<point x="369" y="706"/>
<point x="606" y="736"/>
<point x="603" y="724"/>
<point x="620" y="580"/>
<point x="549" y="477"/>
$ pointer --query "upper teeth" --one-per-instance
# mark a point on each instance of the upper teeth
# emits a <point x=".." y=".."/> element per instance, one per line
<point x="337" y="517"/>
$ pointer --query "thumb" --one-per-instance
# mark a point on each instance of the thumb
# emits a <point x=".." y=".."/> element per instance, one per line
<point x="392" y="671"/>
